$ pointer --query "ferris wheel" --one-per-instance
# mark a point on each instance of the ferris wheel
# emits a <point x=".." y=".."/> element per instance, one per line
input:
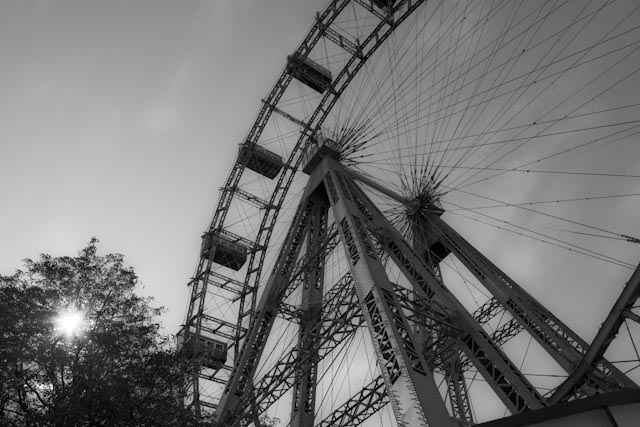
<point x="432" y="214"/>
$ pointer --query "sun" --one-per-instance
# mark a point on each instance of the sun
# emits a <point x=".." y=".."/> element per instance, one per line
<point x="70" y="322"/>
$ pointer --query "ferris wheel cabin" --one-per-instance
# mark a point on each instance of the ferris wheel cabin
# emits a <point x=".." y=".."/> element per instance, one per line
<point x="260" y="160"/>
<point x="213" y="352"/>
<point x="309" y="72"/>
<point x="222" y="250"/>
<point x="384" y="5"/>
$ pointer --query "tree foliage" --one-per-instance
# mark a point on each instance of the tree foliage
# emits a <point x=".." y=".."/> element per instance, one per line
<point x="113" y="369"/>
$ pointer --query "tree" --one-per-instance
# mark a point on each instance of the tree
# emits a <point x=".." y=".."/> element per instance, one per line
<point x="78" y="347"/>
<point x="267" y="421"/>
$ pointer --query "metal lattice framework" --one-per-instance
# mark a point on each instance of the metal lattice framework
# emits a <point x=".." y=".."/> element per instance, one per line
<point x="345" y="273"/>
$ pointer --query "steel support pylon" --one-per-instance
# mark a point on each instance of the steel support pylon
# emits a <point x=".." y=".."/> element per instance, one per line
<point x="411" y="389"/>
<point x="409" y="384"/>
<point x="304" y="388"/>
<point x="408" y="351"/>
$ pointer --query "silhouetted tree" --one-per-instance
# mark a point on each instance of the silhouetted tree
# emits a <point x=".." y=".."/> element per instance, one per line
<point x="267" y="421"/>
<point x="104" y="364"/>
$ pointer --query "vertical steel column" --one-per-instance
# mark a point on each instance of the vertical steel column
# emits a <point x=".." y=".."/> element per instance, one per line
<point x="458" y="391"/>
<point x="562" y="343"/>
<point x="410" y="385"/>
<point x="456" y="383"/>
<point x="304" y="388"/>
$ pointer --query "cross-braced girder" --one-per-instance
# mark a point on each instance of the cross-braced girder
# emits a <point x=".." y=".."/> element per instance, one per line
<point x="361" y="406"/>
<point x="458" y="391"/>
<point x="304" y="389"/>
<point x="341" y="317"/>
<point x="557" y="339"/>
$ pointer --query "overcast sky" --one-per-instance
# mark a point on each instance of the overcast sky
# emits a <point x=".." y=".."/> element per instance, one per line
<point x="120" y="120"/>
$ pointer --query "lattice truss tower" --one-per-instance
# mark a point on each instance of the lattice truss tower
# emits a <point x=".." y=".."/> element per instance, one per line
<point x="348" y="277"/>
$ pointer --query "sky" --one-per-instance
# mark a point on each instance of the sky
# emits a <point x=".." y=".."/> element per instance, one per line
<point x="121" y="119"/>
